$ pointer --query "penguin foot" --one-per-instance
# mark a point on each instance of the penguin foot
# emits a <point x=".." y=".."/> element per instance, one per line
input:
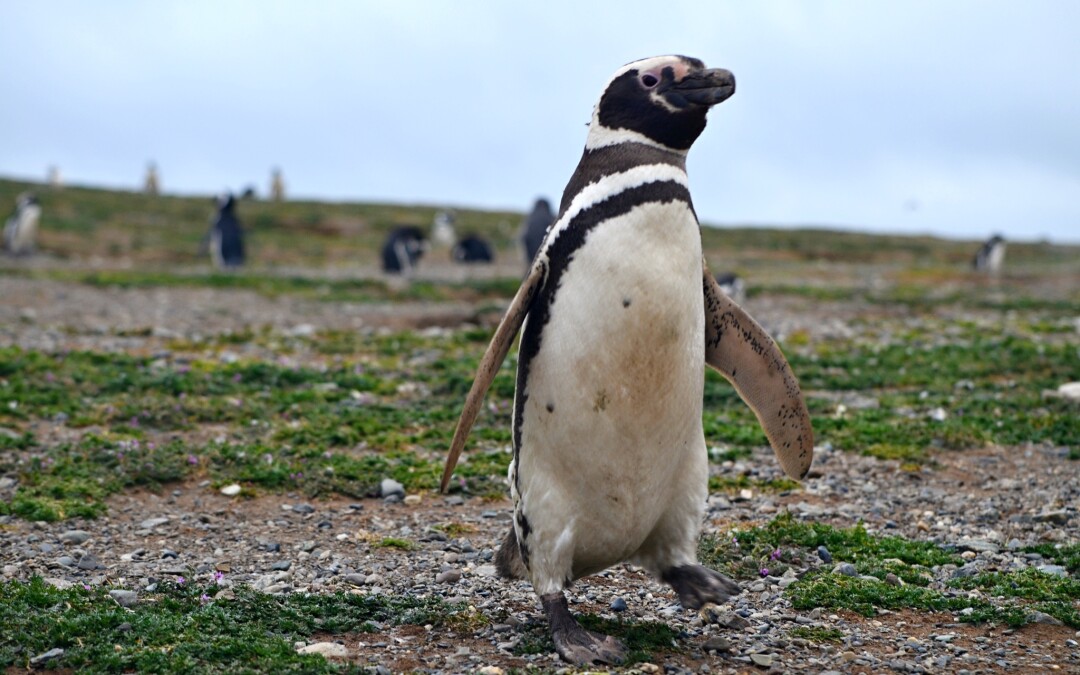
<point x="698" y="585"/>
<point x="575" y="644"/>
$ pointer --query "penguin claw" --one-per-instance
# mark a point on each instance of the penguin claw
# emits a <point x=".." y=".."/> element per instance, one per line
<point x="698" y="585"/>
<point x="582" y="647"/>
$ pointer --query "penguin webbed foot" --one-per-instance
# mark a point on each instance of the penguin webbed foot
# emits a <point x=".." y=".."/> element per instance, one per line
<point x="698" y="585"/>
<point x="575" y="644"/>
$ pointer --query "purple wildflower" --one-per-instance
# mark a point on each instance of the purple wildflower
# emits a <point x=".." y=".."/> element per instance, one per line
<point x="180" y="581"/>
<point x="775" y="555"/>
<point x="218" y="576"/>
<point x="764" y="571"/>
<point x="192" y="459"/>
<point x="203" y="599"/>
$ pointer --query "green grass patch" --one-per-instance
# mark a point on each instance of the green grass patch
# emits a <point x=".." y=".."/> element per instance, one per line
<point x="644" y="640"/>
<point x="183" y="628"/>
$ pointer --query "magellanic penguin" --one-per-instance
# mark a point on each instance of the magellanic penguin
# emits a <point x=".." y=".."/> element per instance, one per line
<point x="472" y="249"/>
<point x="619" y="316"/>
<point x="535" y="227"/>
<point x="990" y="255"/>
<point x="20" y="230"/>
<point x="226" y="235"/>
<point x="402" y="250"/>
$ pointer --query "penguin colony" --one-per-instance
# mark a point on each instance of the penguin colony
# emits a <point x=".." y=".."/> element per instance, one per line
<point x="20" y="230"/>
<point x="618" y="316"/>
<point x="226" y="235"/>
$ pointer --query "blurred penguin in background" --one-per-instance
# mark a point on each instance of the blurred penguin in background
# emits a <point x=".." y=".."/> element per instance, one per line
<point x="151" y="185"/>
<point x="990" y="255"/>
<point x="535" y="227"/>
<point x="277" y="186"/>
<point x="443" y="232"/>
<point x="472" y="250"/>
<point x="733" y="286"/>
<point x="53" y="178"/>
<point x="226" y="235"/>
<point x="402" y="250"/>
<point x="20" y="231"/>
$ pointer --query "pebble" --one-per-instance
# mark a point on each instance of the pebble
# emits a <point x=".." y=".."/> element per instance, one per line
<point x="391" y="488"/>
<point x="74" y="536"/>
<point x="448" y="577"/>
<point x="40" y="659"/>
<point x="845" y="569"/>
<point x="281" y="565"/>
<point x="90" y="562"/>
<point x="717" y="643"/>
<point x="124" y="598"/>
<point x="231" y="490"/>
<point x="330" y="650"/>
<point x="763" y="660"/>
<point x="151" y="523"/>
<point x="618" y="605"/>
<point x="824" y="554"/>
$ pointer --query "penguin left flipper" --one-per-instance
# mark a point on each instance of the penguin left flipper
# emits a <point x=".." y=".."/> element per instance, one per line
<point x="492" y="360"/>
<point x="741" y="350"/>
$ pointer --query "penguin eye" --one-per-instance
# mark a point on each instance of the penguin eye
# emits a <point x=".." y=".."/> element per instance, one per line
<point x="649" y="80"/>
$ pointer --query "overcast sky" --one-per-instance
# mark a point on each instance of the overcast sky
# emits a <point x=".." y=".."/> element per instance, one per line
<point x="954" y="118"/>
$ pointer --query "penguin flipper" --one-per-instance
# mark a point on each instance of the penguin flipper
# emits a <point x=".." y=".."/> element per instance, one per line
<point x="491" y="361"/>
<point x="740" y="350"/>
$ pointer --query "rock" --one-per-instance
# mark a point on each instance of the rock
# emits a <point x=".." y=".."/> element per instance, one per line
<point x="938" y="414"/>
<point x="281" y="565"/>
<point x="1040" y="617"/>
<point x="329" y="650"/>
<point x="74" y="536"/>
<point x="231" y="490"/>
<point x="62" y="584"/>
<point x="303" y="508"/>
<point x="54" y="653"/>
<point x="968" y="570"/>
<point x="486" y="571"/>
<point x="1059" y="517"/>
<point x="490" y="670"/>
<point x="448" y="577"/>
<point x="90" y="562"/>
<point x="732" y="620"/>
<point x="151" y="523"/>
<point x="1069" y="390"/>
<point x="124" y="598"/>
<point x="618" y="605"/>
<point x="372" y="579"/>
<point x="893" y="580"/>
<point x="169" y="554"/>
<point x="845" y="569"/>
<point x="978" y="545"/>
<point x="390" y="488"/>
<point x="355" y="579"/>
<point x="1056" y="570"/>
<point x="763" y="660"/>
<point x="717" y="643"/>
<point x="824" y="554"/>
<point x="413" y="500"/>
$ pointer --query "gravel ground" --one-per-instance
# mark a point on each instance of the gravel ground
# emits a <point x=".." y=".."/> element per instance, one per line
<point x="988" y="503"/>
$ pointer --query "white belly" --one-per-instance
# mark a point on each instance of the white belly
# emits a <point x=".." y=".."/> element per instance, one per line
<point x="611" y="431"/>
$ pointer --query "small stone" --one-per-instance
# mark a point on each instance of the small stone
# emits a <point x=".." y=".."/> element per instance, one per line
<point x="717" y="643"/>
<point x="151" y="523"/>
<point x="618" y="605"/>
<point x="413" y="500"/>
<point x="1060" y="517"/>
<point x="329" y="650"/>
<point x="54" y="653"/>
<point x="845" y="569"/>
<point x="763" y="660"/>
<point x="65" y="560"/>
<point x="231" y="490"/>
<point x="824" y="554"/>
<point x="848" y="656"/>
<point x="968" y="570"/>
<point x="390" y="487"/>
<point x="490" y="670"/>
<point x="74" y="536"/>
<point x="1041" y="617"/>
<point x="90" y="562"/>
<point x="448" y="577"/>
<point x="169" y="554"/>
<point x="124" y="598"/>
<point x="893" y="580"/>
<point x="978" y="545"/>
<point x="732" y="620"/>
<point x="303" y="508"/>
<point x="485" y="571"/>
<point x="372" y="579"/>
<point x="281" y="565"/>
<point x="355" y="579"/>
<point x="1056" y="570"/>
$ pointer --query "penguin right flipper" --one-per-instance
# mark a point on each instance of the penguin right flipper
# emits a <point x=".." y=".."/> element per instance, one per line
<point x="741" y="350"/>
<point x="492" y="360"/>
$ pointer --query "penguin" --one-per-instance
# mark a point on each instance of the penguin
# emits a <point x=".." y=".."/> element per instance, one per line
<point x="402" y="250"/>
<point x="535" y="227"/>
<point x="618" y="316"/>
<point x="472" y="249"/>
<point x="990" y="255"/>
<point x="226" y="235"/>
<point x="442" y="229"/>
<point x="152" y="182"/>
<point x="20" y="230"/>
<point x="277" y="185"/>
<point x="732" y="285"/>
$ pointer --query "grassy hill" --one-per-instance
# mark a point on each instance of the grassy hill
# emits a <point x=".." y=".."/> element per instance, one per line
<point x="111" y="228"/>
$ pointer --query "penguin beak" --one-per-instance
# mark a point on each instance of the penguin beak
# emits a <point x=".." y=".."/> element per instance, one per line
<point x="702" y="88"/>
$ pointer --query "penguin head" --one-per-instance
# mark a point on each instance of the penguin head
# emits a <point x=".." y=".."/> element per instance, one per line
<point x="659" y="101"/>
<point x="225" y="202"/>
